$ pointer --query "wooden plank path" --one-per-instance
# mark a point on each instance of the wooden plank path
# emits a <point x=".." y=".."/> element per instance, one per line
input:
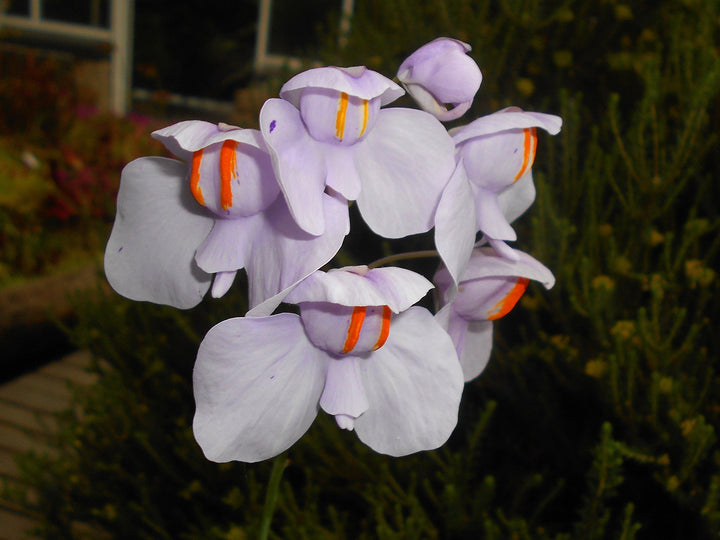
<point x="27" y="405"/>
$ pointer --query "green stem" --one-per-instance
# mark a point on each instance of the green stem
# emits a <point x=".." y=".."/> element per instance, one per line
<point x="404" y="256"/>
<point x="272" y="494"/>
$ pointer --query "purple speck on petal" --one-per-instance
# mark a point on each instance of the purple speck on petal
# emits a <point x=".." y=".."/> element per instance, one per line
<point x="121" y="248"/>
<point x="273" y="124"/>
<point x="516" y="151"/>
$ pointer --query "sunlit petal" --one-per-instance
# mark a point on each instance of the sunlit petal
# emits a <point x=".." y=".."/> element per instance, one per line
<point x="257" y="382"/>
<point x="413" y="386"/>
<point x="150" y="253"/>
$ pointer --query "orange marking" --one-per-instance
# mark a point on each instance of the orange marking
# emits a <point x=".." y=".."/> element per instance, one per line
<point x="530" y="145"/>
<point x="384" y="329"/>
<point x="356" y="322"/>
<point x="340" y="118"/>
<point x="504" y="306"/>
<point x="195" y="177"/>
<point x="228" y="164"/>
<point x="365" y="117"/>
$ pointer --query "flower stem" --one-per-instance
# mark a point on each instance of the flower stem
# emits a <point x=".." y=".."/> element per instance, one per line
<point x="271" y="496"/>
<point x="403" y="256"/>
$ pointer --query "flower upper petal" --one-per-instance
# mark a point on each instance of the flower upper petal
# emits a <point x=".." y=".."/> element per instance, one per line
<point x="404" y="166"/>
<point x="355" y="81"/>
<point x="257" y="382"/>
<point x="158" y="226"/>
<point x="184" y="138"/>
<point x="485" y="262"/>
<point x="397" y="288"/>
<point x="413" y="387"/>
<point x="505" y="119"/>
<point x="298" y="163"/>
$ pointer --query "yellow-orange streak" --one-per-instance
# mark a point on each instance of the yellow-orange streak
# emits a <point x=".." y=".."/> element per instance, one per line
<point x="340" y="118"/>
<point x="504" y="306"/>
<point x="228" y="163"/>
<point x="530" y="144"/>
<point x="195" y="177"/>
<point x="365" y="117"/>
<point x="384" y="328"/>
<point x="356" y="322"/>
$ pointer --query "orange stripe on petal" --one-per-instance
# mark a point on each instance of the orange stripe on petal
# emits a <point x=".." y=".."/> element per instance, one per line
<point x="356" y="322"/>
<point x="364" y="117"/>
<point x="384" y="329"/>
<point x="533" y="132"/>
<point x="195" y="177"/>
<point x="340" y="118"/>
<point x="529" y="146"/>
<point x="228" y="164"/>
<point x="504" y="306"/>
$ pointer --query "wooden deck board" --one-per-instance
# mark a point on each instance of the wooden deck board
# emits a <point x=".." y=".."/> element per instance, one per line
<point x="26" y="407"/>
<point x="79" y="359"/>
<point x="36" y="392"/>
<point x="19" y="440"/>
<point x="24" y="418"/>
<point x="8" y="467"/>
<point x="14" y="526"/>
<point x="68" y="372"/>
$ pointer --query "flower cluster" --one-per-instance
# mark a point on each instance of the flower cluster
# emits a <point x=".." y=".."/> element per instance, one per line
<point x="274" y="202"/>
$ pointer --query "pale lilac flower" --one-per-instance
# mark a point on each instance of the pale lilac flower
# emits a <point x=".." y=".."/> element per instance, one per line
<point x="329" y="130"/>
<point x="358" y="350"/>
<point x="497" y="151"/>
<point x="441" y="73"/>
<point x="489" y="290"/>
<point x="217" y="211"/>
<point x="491" y="185"/>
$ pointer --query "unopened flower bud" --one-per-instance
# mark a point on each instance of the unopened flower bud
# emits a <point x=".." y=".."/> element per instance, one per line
<point x="440" y="73"/>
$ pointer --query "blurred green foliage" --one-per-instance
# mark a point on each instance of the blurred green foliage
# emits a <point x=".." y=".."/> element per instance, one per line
<point x="60" y="166"/>
<point x="597" y="415"/>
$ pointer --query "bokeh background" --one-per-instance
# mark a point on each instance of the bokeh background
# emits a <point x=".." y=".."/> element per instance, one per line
<point x="597" y="416"/>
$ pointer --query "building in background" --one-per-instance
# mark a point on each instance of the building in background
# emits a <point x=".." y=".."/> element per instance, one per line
<point x="198" y="54"/>
<point x="95" y="37"/>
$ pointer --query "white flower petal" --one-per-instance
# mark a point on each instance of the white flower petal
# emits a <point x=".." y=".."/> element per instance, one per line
<point x="404" y="164"/>
<point x="455" y="224"/>
<point x="477" y="346"/>
<point x="413" y="384"/>
<point x="298" y="162"/>
<point x="344" y="393"/>
<point x="257" y="382"/>
<point x="158" y="227"/>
